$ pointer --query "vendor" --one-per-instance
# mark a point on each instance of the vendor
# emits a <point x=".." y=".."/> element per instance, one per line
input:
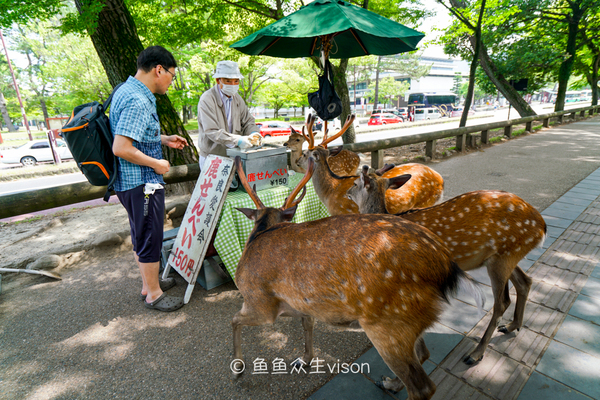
<point x="224" y="120"/>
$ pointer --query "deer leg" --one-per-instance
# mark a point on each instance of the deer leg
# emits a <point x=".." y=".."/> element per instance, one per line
<point x="398" y="351"/>
<point x="308" y="323"/>
<point x="246" y="317"/>
<point x="522" y="283"/>
<point x="421" y="350"/>
<point x="499" y="279"/>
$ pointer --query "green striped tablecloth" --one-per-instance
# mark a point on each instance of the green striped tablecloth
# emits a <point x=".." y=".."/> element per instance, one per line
<point x="234" y="227"/>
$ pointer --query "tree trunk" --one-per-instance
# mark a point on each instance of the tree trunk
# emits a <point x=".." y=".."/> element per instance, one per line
<point x="117" y="43"/>
<point x="564" y="73"/>
<point x="511" y="95"/>
<point x="5" y="116"/>
<point x="44" y="109"/>
<point x="473" y="69"/>
<point x="341" y="87"/>
<point x="594" y="79"/>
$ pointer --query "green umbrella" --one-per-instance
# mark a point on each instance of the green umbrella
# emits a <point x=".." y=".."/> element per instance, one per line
<point x="345" y="30"/>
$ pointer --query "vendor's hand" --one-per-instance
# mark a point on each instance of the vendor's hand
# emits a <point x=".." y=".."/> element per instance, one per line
<point x="244" y="142"/>
<point x="162" y="167"/>
<point x="255" y="138"/>
<point x="174" y="141"/>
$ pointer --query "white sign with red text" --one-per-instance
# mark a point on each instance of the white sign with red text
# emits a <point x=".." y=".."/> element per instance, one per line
<point x="200" y="220"/>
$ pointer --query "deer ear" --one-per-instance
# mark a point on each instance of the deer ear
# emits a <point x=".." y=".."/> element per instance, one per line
<point x="288" y="213"/>
<point x="398" y="181"/>
<point x="248" y="212"/>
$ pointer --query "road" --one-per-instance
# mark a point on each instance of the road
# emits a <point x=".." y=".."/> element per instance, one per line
<point x="25" y="185"/>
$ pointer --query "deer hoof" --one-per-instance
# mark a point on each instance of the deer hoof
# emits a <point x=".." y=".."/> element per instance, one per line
<point x="503" y="329"/>
<point x="470" y="360"/>
<point x="381" y="384"/>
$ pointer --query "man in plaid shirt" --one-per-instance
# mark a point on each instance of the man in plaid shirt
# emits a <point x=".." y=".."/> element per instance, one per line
<point x="139" y="184"/>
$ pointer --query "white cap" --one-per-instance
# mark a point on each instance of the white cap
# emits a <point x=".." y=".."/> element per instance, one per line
<point x="227" y="69"/>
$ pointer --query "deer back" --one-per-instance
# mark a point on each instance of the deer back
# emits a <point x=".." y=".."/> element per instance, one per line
<point x="479" y="224"/>
<point x="424" y="189"/>
<point x="377" y="267"/>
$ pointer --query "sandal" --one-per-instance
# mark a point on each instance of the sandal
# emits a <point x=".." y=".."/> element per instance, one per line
<point x="165" y="303"/>
<point x="165" y="284"/>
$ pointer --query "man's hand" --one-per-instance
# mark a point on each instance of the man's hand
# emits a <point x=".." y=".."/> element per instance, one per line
<point x="173" y="141"/>
<point x="244" y="142"/>
<point x="162" y="167"/>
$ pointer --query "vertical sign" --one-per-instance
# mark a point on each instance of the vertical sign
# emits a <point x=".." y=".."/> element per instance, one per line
<point x="200" y="220"/>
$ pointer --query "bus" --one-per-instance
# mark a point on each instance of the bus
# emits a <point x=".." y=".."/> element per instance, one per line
<point x="444" y="101"/>
<point x="572" y="96"/>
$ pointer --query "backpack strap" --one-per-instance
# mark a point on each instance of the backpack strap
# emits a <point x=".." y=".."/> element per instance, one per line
<point x="109" y="138"/>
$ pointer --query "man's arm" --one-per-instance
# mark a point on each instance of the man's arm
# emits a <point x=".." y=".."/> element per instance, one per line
<point x="123" y="148"/>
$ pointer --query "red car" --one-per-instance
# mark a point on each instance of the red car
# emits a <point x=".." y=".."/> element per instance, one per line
<point x="274" y="128"/>
<point x="384" y="119"/>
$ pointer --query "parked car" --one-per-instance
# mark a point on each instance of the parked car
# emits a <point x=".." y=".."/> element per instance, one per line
<point x="403" y="115"/>
<point x="274" y="128"/>
<point x="33" y="152"/>
<point x="384" y="119"/>
<point x="422" y="114"/>
<point x="403" y="112"/>
<point x="458" y="111"/>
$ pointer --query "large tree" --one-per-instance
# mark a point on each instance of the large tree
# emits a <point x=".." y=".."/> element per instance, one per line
<point x="466" y="36"/>
<point x="115" y="38"/>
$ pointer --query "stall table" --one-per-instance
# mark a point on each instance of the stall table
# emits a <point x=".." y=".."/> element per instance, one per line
<point x="234" y="227"/>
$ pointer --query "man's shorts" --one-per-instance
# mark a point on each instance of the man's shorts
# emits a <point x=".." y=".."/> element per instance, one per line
<point x="146" y="220"/>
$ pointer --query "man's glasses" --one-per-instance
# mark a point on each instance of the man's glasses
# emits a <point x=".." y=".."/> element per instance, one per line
<point x="172" y="74"/>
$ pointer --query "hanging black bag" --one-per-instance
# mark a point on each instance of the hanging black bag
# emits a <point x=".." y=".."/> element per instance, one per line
<point x="325" y="101"/>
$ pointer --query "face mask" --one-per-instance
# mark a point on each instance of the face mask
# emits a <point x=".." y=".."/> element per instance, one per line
<point x="230" y="90"/>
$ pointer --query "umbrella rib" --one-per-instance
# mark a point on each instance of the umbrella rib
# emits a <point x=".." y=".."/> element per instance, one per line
<point x="269" y="46"/>
<point x="358" y="40"/>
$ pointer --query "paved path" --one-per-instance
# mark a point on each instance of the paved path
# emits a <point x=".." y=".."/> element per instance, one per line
<point x="89" y="337"/>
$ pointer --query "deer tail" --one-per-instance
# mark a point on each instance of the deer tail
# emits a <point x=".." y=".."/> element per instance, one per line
<point x="459" y="282"/>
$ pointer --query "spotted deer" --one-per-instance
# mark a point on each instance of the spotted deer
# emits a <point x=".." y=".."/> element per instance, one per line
<point x="487" y="228"/>
<point x="341" y="162"/>
<point x="387" y="275"/>
<point x="425" y="189"/>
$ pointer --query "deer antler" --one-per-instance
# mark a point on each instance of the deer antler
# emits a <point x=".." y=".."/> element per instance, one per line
<point x="289" y="201"/>
<point x="311" y="137"/>
<point x="251" y="191"/>
<point x="347" y="124"/>
<point x="385" y="169"/>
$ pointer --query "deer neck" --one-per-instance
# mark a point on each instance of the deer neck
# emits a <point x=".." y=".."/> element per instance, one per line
<point x="294" y="156"/>
<point x="374" y="205"/>
<point x="328" y="185"/>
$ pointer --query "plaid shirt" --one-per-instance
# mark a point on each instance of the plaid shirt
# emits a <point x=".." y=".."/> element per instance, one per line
<point x="133" y="115"/>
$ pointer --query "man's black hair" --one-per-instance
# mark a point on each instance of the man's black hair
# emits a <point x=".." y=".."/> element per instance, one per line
<point x="153" y="56"/>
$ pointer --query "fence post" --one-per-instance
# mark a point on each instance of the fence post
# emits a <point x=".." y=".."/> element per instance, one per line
<point x="560" y="118"/>
<point x="528" y="126"/>
<point x="430" y="148"/>
<point x="377" y="159"/>
<point x="461" y="143"/>
<point x="582" y="113"/>
<point x="546" y="122"/>
<point x="508" y="131"/>
<point x="485" y="137"/>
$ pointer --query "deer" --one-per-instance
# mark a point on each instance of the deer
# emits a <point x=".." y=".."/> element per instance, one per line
<point x="342" y="162"/>
<point x="495" y="229"/>
<point x="425" y="189"/>
<point x="389" y="276"/>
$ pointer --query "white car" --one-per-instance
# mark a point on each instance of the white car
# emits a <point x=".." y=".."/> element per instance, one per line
<point x="33" y="152"/>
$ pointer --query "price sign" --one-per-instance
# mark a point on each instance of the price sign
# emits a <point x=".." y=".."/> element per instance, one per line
<point x="200" y="220"/>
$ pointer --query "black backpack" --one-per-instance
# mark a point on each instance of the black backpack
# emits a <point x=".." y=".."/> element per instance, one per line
<point x="88" y="136"/>
<point x="325" y="101"/>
